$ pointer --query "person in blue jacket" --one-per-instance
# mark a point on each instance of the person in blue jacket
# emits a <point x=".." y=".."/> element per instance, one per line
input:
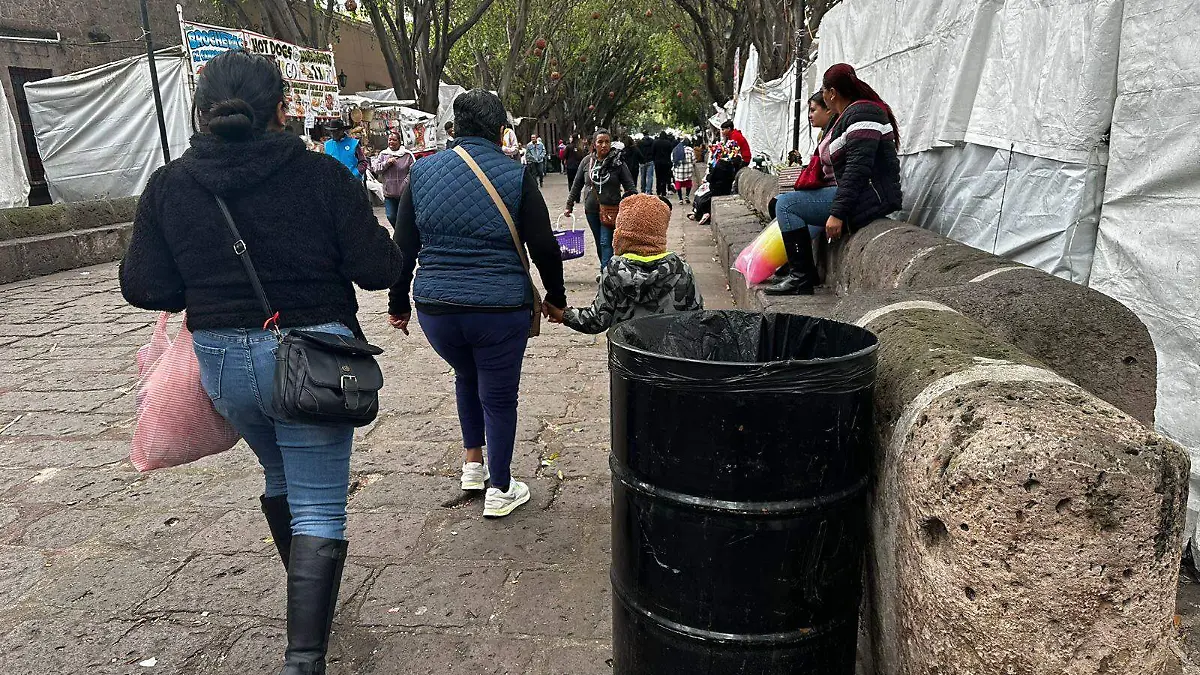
<point x="345" y="149"/>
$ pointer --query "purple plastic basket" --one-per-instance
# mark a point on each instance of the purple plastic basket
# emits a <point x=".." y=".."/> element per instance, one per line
<point x="571" y="243"/>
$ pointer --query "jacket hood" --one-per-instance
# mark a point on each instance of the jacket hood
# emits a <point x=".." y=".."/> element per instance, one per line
<point x="644" y="278"/>
<point x="227" y="166"/>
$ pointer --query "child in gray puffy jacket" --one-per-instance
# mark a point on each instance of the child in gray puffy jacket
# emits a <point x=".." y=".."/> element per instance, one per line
<point x="642" y="278"/>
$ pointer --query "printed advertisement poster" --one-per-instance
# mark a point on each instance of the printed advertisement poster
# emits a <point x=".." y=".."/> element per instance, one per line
<point x="309" y="74"/>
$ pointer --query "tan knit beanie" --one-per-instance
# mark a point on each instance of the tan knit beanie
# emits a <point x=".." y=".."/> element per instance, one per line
<point x="642" y="226"/>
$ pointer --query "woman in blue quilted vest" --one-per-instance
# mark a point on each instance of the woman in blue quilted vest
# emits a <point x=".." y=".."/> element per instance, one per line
<point x="473" y="297"/>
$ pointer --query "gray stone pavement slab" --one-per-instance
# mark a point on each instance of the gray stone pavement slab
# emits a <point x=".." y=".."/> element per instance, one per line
<point x="103" y="568"/>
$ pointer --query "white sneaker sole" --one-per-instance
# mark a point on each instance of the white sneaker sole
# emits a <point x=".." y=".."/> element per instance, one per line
<point x="469" y="486"/>
<point x="506" y="509"/>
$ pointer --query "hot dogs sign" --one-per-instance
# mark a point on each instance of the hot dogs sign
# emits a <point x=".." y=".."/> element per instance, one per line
<point x="309" y="74"/>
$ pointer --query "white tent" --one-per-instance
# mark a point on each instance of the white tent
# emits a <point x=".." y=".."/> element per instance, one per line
<point x="766" y="110"/>
<point x="14" y="181"/>
<point x="1005" y="109"/>
<point x="97" y="129"/>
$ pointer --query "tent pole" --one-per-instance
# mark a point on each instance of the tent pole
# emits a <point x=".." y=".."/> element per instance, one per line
<point x="162" y="121"/>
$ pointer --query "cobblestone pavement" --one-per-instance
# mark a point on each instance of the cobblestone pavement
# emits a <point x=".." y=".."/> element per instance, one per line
<point x="105" y="570"/>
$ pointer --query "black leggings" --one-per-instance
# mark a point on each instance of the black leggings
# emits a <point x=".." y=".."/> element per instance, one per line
<point x="663" y="179"/>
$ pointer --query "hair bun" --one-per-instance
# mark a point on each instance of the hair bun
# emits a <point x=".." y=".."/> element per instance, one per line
<point x="232" y="119"/>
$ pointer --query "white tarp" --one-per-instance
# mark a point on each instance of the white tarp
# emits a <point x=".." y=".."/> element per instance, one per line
<point x="97" y="130"/>
<point x="14" y="181"/>
<point x="1148" y="253"/>
<point x="1037" y="211"/>
<point x="765" y="110"/>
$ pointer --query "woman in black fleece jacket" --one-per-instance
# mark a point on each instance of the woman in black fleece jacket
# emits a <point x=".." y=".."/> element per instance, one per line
<point x="312" y="234"/>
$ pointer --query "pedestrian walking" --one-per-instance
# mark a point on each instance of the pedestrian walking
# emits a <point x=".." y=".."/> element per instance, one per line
<point x="643" y="277"/>
<point x="535" y="156"/>
<point x="346" y="149"/>
<point x="664" y="146"/>
<point x="646" y="160"/>
<point x="473" y="294"/>
<point x="572" y="157"/>
<point x="391" y="166"/>
<point x="313" y="235"/>
<point x="683" y="164"/>
<point x="510" y="144"/>
<point x="562" y="155"/>
<point x="607" y="179"/>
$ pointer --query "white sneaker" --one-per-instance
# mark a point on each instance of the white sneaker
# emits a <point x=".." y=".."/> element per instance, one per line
<point x="474" y="476"/>
<point x="498" y="504"/>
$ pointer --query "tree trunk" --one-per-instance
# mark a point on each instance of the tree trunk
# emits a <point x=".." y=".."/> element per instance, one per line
<point x="282" y="21"/>
<point x="401" y="82"/>
<point x="516" y="37"/>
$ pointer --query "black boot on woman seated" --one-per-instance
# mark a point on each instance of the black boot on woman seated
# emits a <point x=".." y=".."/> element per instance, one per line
<point x="314" y="576"/>
<point x="279" y="521"/>
<point x="803" y="277"/>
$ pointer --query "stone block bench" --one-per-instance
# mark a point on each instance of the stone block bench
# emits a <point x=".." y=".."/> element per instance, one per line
<point x="1025" y="517"/>
<point x="40" y="240"/>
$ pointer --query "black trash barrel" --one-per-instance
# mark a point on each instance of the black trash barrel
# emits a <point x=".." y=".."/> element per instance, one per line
<point x="741" y="447"/>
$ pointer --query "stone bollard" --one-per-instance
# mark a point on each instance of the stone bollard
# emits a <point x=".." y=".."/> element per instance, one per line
<point x="1020" y="525"/>
<point x="1082" y="334"/>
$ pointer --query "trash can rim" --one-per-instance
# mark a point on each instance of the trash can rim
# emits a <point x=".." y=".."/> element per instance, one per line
<point x="744" y="364"/>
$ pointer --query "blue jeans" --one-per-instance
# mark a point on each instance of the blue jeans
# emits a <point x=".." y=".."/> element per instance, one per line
<point x="310" y="464"/>
<point x="390" y="206"/>
<point x="486" y="351"/>
<point x="604" y="239"/>
<point x="805" y="208"/>
<point x="646" y="178"/>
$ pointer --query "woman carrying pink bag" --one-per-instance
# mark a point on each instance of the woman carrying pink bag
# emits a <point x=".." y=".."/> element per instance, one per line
<point x="313" y="236"/>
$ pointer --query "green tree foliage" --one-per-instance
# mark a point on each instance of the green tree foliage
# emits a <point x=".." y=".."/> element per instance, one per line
<point x="588" y="63"/>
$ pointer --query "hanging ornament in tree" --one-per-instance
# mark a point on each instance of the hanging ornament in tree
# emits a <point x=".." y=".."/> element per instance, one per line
<point x="595" y="15"/>
<point x="540" y="43"/>
<point x="664" y="101"/>
<point x="679" y="94"/>
<point x="556" y="76"/>
<point x="649" y="14"/>
<point x="703" y="66"/>
<point x="612" y="94"/>
<point x="679" y="70"/>
<point x="583" y="59"/>
<point x="554" y="62"/>
<point x="657" y="68"/>
<point x="642" y="79"/>
<point x="537" y="52"/>
<point x="591" y="107"/>
<point x="351" y="6"/>
<point x="695" y="93"/>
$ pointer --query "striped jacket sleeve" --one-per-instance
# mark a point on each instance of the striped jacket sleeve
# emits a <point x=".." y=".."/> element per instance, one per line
<point x="865" y="126"/>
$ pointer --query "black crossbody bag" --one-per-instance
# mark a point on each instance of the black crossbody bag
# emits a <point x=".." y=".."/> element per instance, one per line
<point x="320" y="378"/>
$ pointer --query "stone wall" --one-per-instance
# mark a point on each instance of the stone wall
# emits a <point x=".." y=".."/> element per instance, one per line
<point x="1020" y="524"/>
<point x="40" y="240"/>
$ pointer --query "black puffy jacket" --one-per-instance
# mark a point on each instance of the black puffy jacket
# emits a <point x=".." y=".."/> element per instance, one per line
<point x="862" y="148"/>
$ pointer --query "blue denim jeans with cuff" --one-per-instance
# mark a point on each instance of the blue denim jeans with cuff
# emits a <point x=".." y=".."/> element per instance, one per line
<point x="308" y="463"/>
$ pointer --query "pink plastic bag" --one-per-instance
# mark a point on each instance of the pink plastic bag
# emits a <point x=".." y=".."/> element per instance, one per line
<point x="176" y="421"/>
<point x="763" y="256"/>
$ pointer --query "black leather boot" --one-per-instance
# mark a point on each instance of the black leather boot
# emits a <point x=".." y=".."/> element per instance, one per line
<point x="279" y="520"/>
<point x="803" y="277"/>
<point x="314" y="576"/>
